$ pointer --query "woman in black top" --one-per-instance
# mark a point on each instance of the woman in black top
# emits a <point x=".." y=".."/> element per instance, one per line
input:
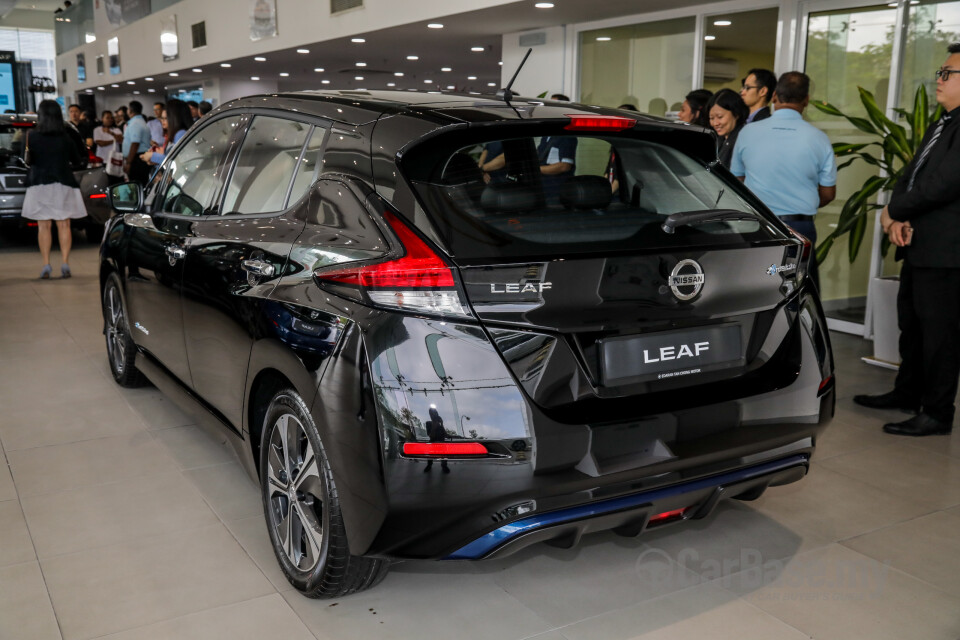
<point x="728" y="113"/>
<point x="52" y="191"/>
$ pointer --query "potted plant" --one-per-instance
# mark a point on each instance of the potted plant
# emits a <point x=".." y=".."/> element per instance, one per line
<point x="891" y="152"/>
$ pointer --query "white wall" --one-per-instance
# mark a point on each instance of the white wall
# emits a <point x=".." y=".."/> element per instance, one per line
<point x="545" y="68"/>
<point x="298" y="22"/>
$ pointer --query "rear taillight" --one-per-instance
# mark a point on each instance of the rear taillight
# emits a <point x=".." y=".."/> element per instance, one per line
<point x="800" y="256"/>
<point x="419" y="281"/>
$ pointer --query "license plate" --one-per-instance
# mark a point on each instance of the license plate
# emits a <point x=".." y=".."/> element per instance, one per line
<point x="669" y="354"/>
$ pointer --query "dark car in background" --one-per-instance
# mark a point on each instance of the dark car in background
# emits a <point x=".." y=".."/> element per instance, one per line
<point x="92" y="179"/>
<point x="415" y="359"/>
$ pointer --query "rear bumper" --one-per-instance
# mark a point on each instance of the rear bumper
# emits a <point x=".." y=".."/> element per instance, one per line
<point x="632" y="514"/>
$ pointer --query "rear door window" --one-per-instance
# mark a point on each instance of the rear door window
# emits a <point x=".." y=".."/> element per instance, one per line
<point x="266" y="165"/>
<point x="568" y="195"/>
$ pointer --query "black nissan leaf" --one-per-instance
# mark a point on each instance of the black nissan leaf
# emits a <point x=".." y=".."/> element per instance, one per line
<point x="449" y="327"/>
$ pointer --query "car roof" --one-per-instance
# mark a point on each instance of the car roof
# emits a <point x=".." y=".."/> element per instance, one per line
<point x="361" y="107"/>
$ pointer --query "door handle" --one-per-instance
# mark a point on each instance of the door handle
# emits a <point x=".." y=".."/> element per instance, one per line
<point x="258" y="268"/>
<point x="175" y="253"/>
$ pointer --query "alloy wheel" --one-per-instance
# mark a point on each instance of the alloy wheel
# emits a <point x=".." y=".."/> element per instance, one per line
<point x="296" y="493"/>
<point x="116" y="331"/>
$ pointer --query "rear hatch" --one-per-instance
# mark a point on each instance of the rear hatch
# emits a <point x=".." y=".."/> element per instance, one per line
<point x="574" y="275"/>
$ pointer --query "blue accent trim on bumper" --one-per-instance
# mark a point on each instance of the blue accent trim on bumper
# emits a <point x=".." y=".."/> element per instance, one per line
<point x="487" y="543"/>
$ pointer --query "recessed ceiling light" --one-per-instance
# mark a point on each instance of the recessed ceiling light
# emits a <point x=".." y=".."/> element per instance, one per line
<point x="471" y="77"/>
<point x="358" y="77"/>
<point x="259" y="59"/>
<point x="446" y="69"/>
<point x="151" y="90"/>
<point x="136" y="91"/>
<point x="361" y="64"/>
<point x="477" y="49"/>
<point x="198" y="70"/>
<point x="99" y="88"/>
<point x="435" y="25"/>
<point x="324" y="82"/>
<point x="148" y="79"/>
<point x="391" y="84"/>
<point x="491" y="84"/>
<point x="319" y="70"/>
<point x="500" y="63"/>
<point x="284" y="74"/>
<point x="174" y="74"/>
<point x="544" y="5"/>
<point x="303" y="50"/>
<point x="131" y="82"/>
<point x="722" y="23"/>
<point x="225" y="65"/>
<point x="114" y="85"/>
<point x="428" y="81"/>
<point x="413" y="57"/>
<point x="399" y="74"/>
<point x="450" y="86"/>
<point x="709" y="37"/>
<point x="254" y="78"/>
<point x="358" y="40"/>
<point x="603" y="38"/>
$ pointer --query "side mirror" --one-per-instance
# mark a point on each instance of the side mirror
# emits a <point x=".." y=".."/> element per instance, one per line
<point x="126" y="197"/>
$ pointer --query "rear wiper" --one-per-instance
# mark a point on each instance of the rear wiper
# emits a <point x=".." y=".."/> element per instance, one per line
<point x="683" y="218"/>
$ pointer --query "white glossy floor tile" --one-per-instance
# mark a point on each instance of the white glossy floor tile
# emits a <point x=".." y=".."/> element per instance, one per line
<point x="25" y="610"/>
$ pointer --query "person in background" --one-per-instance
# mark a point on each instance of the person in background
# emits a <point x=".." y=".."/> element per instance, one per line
<point x="120" y="118"/>
<point x="728" y="115"/>
<point x="88" y="122"/>
<point x="156" y="126"/>
<point x="72" y="125"/>
<point x="757" y="92"/>
<point x="176" y="120"/>
<point x="194" y="110"/>
<point x="136" y="139"/>
<point x="560" y="97"/>
<point x="923" y="221"/>
<point x="107" y="139"/>
<point x="788" y="162"/>
<point x="627" y="107"/>
<point x="204" y="108"/>
<point x="694" y="107"/>
<point x="52" y="191"/>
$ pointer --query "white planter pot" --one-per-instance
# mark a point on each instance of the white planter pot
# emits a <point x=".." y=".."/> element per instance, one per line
<point x="886" y="335"/>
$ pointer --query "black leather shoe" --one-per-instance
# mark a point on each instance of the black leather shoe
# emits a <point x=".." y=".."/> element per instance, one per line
<point x="919" y="425"/>
<point x="891" y="400"/>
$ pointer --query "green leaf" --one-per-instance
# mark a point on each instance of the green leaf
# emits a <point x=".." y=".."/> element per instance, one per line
<point x="874" y="112"/>
<point x="847" y="163"/>
<point x="863" y="124"/>
<point x="921" y="114"/>
<point x="823" y="248"/>
<point x="827" y="108"/>
<point x="846" y="148"/>
<point x="856" y="238"/>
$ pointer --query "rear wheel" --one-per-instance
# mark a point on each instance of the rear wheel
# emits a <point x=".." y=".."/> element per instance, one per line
<point x="302" y="508"/>
<point x="121" y="350"/>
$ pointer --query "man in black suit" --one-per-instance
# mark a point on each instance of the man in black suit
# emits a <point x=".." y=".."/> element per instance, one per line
<point x="923" y="221"/>
<point x="757" y="91"/>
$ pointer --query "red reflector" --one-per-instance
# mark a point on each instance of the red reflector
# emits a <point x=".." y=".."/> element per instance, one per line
<point x="825" y="382"/>
<point x="419" y="268"/>
<point x="667" y="515"/>
<point x="32" y="224"/>
<point x="97" y="196"/>
<point x="444" y="449"/>
<point x="807" y="245"/>
<point x="599" y="123"/>
<point x="21" y="124"/>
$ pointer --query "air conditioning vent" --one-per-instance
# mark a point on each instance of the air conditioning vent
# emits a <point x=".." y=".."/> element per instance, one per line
<point x="199" y="34"/>
<point x="336" y="6"/>
<point x="533" y="39"/>
<point x="721" y="69"/>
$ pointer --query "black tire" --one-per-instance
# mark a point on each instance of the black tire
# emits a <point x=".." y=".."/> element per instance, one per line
<point x="121" y="350"/>
<point x="302" y="509"/>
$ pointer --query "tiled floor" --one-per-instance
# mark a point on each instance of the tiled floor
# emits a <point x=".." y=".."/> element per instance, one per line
<point x="120" y="519"/>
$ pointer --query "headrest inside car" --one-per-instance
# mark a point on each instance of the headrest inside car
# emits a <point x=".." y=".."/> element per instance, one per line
<point x="508" y="198"/>
<point x="586" y="192"/>
<point x="461" y="169"/>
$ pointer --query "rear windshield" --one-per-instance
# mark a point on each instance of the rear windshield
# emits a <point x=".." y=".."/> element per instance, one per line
<point x="565" y="195"/>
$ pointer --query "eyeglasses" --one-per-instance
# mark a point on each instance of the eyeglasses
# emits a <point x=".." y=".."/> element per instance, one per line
<point x="944" y="74"/>
<point x="747" y="87"/>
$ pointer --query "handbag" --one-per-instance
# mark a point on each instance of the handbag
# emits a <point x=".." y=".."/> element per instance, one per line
<point x="115" y="165"/>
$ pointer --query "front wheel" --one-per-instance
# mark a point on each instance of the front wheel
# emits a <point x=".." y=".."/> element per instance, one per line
<point x="302" y="509"/>
<point x="121" y="350"/>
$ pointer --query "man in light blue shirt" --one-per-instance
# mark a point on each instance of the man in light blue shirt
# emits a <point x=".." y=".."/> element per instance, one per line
<point x="136" y="140"/>
<point x="787" y="162"/>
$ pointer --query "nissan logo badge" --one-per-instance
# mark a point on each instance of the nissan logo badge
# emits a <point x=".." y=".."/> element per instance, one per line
<point x="686" y="279"/>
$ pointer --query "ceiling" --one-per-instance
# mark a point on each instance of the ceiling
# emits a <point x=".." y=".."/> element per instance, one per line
<point x="385" y="52"/>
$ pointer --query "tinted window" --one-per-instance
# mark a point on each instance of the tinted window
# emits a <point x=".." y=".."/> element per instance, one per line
<point x="568" y="195"/>
<point x="12" y="138"/>
<point x="309" y="165"/>
<point x="193" y="177"/>
<point x="268" y="159"/>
